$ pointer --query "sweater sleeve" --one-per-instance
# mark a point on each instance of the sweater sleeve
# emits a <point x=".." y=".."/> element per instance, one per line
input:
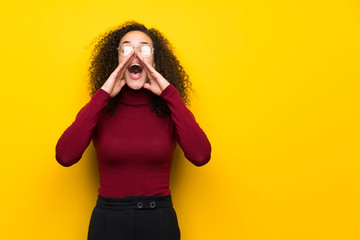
<point x="191" y="138"/>
<point x="76" y="138"/>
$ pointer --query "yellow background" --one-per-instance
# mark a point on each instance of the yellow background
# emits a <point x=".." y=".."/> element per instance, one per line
<point x="277" y="93"/>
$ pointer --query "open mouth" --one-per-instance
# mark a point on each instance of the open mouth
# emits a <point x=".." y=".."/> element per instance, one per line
<point x="135" y="71"/>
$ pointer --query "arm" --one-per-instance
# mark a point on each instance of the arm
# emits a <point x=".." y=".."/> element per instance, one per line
<point x="76" y="138"/>
<point x="191" y="138"/>
<point x="188" y="133"/>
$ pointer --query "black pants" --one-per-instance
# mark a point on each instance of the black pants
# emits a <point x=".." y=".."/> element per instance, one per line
<point x="134" y="218"/>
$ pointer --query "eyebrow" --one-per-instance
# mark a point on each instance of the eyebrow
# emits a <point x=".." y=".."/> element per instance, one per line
<point x="130" y="42"/>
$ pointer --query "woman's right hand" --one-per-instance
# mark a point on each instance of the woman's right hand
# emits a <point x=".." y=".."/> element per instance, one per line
<point x="115" y="82"/>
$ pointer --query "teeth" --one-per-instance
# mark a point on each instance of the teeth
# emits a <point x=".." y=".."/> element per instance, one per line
<point x="135" y="64"/>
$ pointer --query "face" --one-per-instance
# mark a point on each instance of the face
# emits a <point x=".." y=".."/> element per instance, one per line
<point x="135" y="75"/>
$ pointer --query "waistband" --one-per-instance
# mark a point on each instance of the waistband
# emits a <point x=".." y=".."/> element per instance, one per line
<point x="135" y="202"/>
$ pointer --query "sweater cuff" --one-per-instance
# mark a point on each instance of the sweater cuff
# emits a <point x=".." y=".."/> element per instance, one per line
<point x="169" y="90"/>
<point x="101" y="94"/>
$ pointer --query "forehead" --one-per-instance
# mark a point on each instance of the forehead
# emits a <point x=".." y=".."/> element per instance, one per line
<point x="136" y="37"/>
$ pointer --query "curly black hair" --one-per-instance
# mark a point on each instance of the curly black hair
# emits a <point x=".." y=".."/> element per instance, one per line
<point x="104" y="60"/>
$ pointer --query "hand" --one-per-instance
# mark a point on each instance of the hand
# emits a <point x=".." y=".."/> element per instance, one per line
<point x="115" y="82"/>
<point x="157" y="82"/>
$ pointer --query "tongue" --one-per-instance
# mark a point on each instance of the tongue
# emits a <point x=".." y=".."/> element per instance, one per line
<point x="134" y="75"/>
<point x="135" y="72"/>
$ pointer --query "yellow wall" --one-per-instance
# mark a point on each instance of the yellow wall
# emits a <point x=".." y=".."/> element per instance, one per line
<point x="277" y="87"/>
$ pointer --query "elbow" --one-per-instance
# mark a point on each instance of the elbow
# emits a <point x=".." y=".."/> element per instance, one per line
<point x="66" y="151"/>
<point x="201" y="158"/>
<point x="201" y="161"/>
<point x="65" y="159"/>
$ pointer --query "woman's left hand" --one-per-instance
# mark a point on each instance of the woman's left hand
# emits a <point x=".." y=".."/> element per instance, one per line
<point x="157" y="82"/>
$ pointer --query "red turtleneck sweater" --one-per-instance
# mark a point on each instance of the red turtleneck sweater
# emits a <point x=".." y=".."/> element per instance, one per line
<point x="134" y="147"/>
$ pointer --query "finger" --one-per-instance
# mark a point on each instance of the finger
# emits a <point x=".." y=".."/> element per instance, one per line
<point x="123" y="66"/>
<point x="126" y="61"/>
<point x="152" y="75"/>
<point x="119" y="71"/>
<point x="146" y="64"/>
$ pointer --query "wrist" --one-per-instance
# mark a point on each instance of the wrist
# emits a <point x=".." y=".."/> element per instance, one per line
<point x="165" y="86"/>
<point x="105" y="89"/>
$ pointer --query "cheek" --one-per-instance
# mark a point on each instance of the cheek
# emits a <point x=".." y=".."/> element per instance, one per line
<point x="150" y="61"/>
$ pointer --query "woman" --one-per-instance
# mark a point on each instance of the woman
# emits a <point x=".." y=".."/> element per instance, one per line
<point x="135" y="117"/>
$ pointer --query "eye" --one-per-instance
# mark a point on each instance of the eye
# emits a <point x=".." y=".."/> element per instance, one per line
<point x="125" y="50"/>
<point x="145" y="50"/>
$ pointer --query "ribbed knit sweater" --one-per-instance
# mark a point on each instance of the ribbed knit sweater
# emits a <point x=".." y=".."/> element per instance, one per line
<point x="134" y="147"/>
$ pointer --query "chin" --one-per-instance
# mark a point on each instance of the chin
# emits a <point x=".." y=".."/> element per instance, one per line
<point x="135" y="84"/>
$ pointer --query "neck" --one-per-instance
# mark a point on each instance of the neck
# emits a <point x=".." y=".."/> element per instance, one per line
<point x="129" y="96"/>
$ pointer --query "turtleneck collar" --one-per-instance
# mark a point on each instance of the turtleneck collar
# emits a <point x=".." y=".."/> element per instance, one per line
<point x="129" y="96"/>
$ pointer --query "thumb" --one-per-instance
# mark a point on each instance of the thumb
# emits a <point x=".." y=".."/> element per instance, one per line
<point x="147" y="86"/>
<point x="122" y="83"/>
